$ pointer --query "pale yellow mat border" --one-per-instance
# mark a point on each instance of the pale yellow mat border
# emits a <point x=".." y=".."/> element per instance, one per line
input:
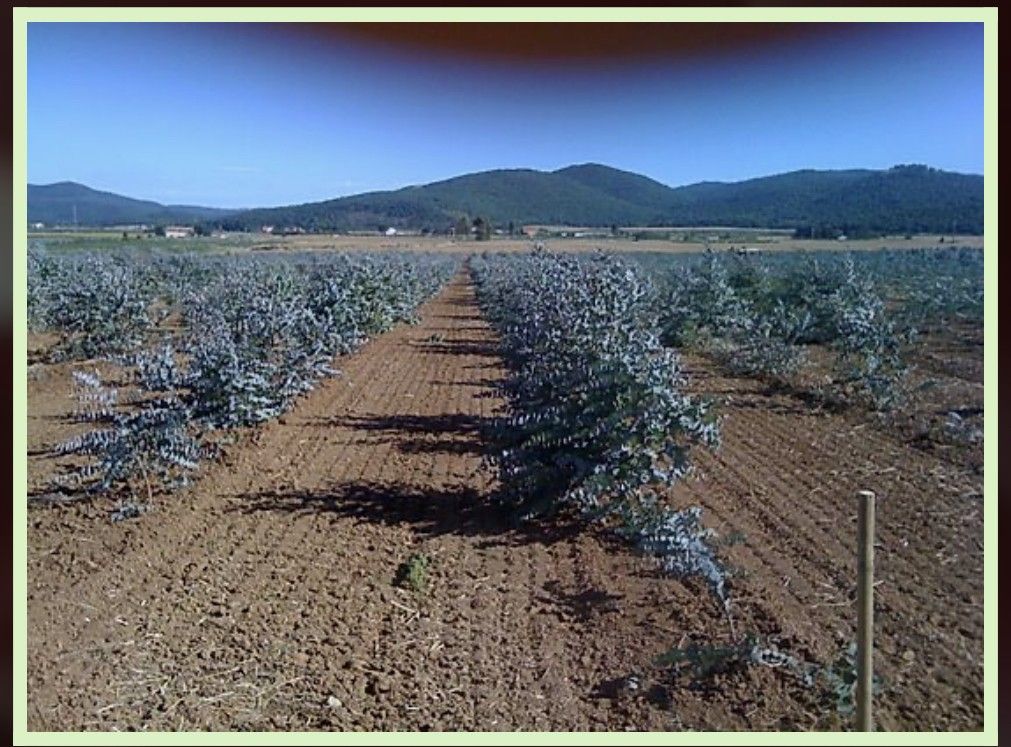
<point x="24" y="16"/>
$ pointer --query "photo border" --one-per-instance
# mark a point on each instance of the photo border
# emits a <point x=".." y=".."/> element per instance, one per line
<point x="22" y="16"/>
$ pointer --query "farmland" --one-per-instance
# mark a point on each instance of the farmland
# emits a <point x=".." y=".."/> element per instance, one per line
<point x="455" y="489"/>
<point x="672" y="241"/>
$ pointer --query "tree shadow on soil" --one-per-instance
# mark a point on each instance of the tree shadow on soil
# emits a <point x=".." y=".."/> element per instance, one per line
<point x="777" y="397"/>
<point x="617" y="688"/>
<point x="463" y="346"/>
<point x="485" y="383"/>
<point x="813" y="402"/>
<point x="773" y="405"/>
<point x="582" y="605"/>
<point x="40" y="357"/>
<point x="457" y="423"/>
<point x="427" y="511"/>
<point x="419" y="434"/>
<point x="441" y="446"/>
<point x="45" y="452"/>
<point x="755" y="392"/>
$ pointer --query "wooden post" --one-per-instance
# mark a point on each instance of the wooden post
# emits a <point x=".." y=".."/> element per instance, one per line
<point x="865" y="610"/>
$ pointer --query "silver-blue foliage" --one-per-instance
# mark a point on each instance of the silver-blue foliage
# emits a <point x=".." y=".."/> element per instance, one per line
<point x="251" y="334"/>
<point x="600" y="419"/>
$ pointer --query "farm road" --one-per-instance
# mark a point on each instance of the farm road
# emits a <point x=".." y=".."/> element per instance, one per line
<point x="263" y="598"/>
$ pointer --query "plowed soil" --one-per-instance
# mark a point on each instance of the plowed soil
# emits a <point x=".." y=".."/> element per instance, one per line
<point x="266" y="597"/>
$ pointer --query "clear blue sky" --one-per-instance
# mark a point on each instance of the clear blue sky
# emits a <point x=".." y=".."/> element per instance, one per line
<point x="226" y="116"/>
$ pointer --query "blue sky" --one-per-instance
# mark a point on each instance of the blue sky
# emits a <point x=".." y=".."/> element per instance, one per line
<point x="222" y="116"/>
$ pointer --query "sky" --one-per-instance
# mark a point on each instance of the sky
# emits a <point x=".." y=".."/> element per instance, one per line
<point x="237" y="115"/>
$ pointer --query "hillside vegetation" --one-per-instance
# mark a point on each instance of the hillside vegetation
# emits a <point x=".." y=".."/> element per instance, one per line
<point x="903" y="199"/>
<point x="67" y="203"/>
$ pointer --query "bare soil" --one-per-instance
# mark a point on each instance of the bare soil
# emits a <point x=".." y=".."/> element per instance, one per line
<point x="783" y="485"/>
<point x="265" y="597"/>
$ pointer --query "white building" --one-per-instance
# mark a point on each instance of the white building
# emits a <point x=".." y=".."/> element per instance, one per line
<point x="391" y="231"/>
<point x="178" y="232"/>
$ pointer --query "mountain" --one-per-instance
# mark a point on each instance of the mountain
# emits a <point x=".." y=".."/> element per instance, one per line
<point x="56" y="204"/>
<point x="902" y="199"/>
<point x="520" y="195"/>
<point x="908" y="199"/>
<point x="624" y="185"/>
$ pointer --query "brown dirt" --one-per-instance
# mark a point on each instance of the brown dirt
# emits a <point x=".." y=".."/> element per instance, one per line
<point x="784" y="481"/>
<point x="946" y="379"/>
<point x="263" y="597"/>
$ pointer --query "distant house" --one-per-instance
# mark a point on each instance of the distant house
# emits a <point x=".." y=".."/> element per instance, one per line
<point x="391" y="231"/>
<point x="266" y="229"/>
<point x="178" y="232"/>
<point x="37" y="226"/>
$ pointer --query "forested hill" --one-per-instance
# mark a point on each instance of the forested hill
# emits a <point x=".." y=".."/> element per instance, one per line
<point x="903" y="199"/>
<point x="67" y="203"/>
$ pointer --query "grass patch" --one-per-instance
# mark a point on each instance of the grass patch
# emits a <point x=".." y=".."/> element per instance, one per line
<point x="413" y="574"/>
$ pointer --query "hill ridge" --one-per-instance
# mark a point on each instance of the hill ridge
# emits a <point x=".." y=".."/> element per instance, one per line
<point x="906" y="198"/>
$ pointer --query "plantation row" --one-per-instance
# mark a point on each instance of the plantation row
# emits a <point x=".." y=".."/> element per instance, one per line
<point x="599" y="419"/>
<point x="601" y="422"/>
<point x="208" y="343"/>
<point x="922" y="288"/>
<point x="764" y="315"/>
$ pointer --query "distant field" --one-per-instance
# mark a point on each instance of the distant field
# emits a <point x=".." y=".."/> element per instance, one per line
<point x="266" y="242"/>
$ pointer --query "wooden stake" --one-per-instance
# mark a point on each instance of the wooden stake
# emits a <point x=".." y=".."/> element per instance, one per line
<point x="865" y="609"/>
